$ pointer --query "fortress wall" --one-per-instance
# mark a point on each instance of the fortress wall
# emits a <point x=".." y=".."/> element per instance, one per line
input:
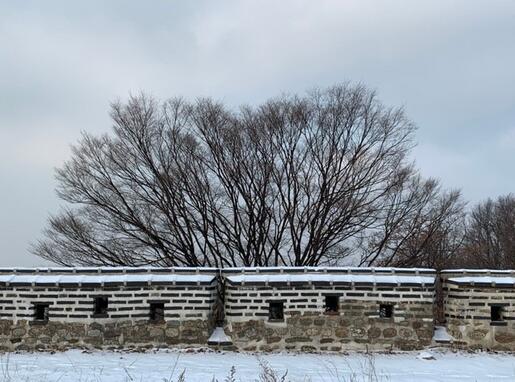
<point x="479" y="308"/>
<point x="144" y="309"/>
<point x="282" y="308"/>
<point x="307" y="323"/>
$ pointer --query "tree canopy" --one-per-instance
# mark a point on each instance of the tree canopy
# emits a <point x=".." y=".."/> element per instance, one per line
<point x="323" y="178"/>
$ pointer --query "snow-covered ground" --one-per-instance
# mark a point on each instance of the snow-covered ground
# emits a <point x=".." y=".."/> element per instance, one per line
<point x="434" y="365"/>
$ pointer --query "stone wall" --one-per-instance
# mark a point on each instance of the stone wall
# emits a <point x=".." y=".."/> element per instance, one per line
<point x="468" y="299"/>
<point x="190" y="296"/>
<point x="127" y="334"/>
<point x="187" y="300"/>
<point x="181" y="302"/>
<point x="308" y="327"/>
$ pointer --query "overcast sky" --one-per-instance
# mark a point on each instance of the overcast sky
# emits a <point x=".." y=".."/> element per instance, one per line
<point x="450" y="63"/>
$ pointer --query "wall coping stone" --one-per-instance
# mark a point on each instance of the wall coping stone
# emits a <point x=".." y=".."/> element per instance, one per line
<point x="105" y="279"/>
<point x="330" y="279"/>
<point x="483" y="281"/>
<point x="348" y="270"/>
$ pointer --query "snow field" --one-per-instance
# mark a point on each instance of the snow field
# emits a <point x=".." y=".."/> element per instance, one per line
<point x="430" y="365"/>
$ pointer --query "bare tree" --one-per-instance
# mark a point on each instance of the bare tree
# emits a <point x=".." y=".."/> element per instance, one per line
<point x="419" y="225"/>
<point x="490" y="236"/>
<point x="289" y="182"/>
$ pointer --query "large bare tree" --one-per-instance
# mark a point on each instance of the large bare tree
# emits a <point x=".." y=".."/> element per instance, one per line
<point x="293" y="181"/>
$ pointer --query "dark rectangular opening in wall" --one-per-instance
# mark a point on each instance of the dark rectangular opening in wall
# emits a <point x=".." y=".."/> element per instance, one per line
<point x="100" y="306"/>
<point x="41" y="312"/>
<point x="385" y="311"/>
<point x="276" y="311"/>
<point x="157" y="311"/>
<point x="331" y="304"/>
<point x="496" y="313"/>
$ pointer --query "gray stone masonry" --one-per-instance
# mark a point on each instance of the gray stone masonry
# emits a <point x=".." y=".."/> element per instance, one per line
<point x="263" y="309"/>
<point x="469" y="298"/>
<point x="307" y="326"/>
<point x="185" y="304"/>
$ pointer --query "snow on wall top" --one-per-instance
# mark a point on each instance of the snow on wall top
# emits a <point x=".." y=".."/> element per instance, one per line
<point x="330" y="278"/>
<point x="107" y="270"/>
<point x="78" y="279"/>
<point x="483" y="280"/>
<point x="479" y="271"/>
<point x="207" y="270"/>
<point x="349" y="270"/>
<point x="194" y="275"/>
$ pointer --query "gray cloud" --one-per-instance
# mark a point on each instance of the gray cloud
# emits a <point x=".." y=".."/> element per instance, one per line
<point x="450" y="63"/>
